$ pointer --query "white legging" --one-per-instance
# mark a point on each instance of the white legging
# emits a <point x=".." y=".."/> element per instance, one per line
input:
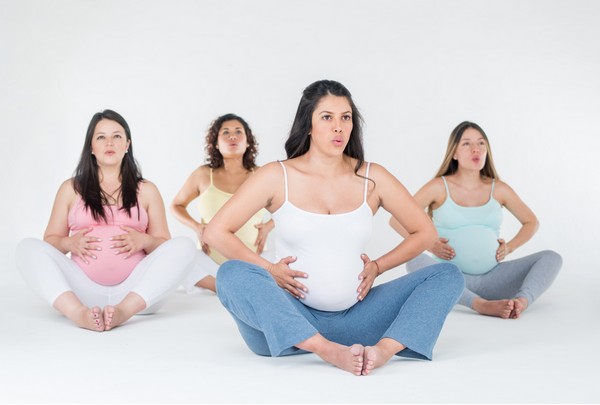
<point x="204" y="266"/>
<point x="50" y="273"/>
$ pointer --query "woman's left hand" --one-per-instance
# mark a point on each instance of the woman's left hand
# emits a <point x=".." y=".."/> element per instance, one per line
<point x="367" y="276"/>
<point x="263" y="233"/>
<point x="129" y="243"/>
<point x="503" y="250"/>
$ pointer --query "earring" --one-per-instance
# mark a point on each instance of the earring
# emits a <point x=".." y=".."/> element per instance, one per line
<point x="127" y="151"/>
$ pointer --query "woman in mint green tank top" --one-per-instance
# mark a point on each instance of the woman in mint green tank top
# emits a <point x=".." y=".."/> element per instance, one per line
<point x="465" y="201"/>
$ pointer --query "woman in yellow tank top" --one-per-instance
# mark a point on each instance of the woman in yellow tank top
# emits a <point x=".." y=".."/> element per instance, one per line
<point x="231" y="150"/>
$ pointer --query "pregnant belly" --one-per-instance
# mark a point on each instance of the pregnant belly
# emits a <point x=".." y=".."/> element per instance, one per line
<point x="475" y="248"/>
<point x="332" y="285"/>
<point x="108" y="268"/>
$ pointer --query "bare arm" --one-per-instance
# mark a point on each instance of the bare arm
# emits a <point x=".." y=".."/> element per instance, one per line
<point x="188" y="192"/>
<point x="255" y="193"/>
<point x="529" y="223"/>
<point x="57" y="232"/>
<point x="408" y="218"/>
<point x="158" y="231"/>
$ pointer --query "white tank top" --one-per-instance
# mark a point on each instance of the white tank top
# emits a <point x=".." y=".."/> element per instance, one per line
<point x="328" y="248"/>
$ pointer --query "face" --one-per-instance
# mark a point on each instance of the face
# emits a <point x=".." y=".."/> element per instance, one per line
<point x="331" y="124"/>
<point x="471" y="150"/>
<point x="109" y="143"/>
<point x="232" y="140"/>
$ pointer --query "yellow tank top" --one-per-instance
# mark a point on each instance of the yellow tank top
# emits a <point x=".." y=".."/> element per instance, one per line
<point x="210" y="201"/>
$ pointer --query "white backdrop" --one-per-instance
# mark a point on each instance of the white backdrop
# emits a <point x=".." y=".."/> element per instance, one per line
<point x="526" y="71"/>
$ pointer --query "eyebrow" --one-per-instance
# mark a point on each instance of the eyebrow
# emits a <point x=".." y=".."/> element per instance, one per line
<point x="330" y="112"/>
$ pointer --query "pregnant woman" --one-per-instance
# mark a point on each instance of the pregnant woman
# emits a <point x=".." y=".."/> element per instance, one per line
<point x="465" y="201"/>
<point x="113" y="224"/>
<point x="319" y="295"/>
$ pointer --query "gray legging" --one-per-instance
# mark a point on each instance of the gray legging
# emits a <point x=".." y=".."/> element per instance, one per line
<point x="526" y="277"/>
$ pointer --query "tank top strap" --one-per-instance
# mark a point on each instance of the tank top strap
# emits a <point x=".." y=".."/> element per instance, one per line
<point x="446" y="185"/>
<point x="492" y="191"/>
<point x="211" y="177"/>
<point x="366" y="181"/>
<point x="285" y="180"/>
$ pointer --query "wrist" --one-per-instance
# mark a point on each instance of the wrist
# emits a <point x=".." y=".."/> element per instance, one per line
<point x="377" y="266"/>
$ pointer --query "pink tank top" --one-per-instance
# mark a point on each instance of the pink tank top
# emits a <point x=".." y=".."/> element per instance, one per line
<point x="108" y="268"/>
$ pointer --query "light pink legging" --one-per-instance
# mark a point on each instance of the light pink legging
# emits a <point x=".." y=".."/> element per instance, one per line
<point x="50" y="273"/>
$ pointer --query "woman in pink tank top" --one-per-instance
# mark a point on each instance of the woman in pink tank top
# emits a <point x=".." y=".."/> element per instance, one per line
<point x="109" y="219"/>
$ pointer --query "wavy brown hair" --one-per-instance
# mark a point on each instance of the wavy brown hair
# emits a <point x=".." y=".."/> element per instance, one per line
<point x="214" y="159"/>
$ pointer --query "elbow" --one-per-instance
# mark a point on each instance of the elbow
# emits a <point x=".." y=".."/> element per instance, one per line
<point x="535" y="224"/>
<point x="431" y="237"/>
<point x="208" y="235"/>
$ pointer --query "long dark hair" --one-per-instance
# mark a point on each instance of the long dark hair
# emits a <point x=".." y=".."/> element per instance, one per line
<point x="214" y="159"/>
<point x="86" y="181"/>
<point x="298" y="142"/>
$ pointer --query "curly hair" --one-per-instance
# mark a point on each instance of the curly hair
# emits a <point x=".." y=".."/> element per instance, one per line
<point x="214" y="159"/>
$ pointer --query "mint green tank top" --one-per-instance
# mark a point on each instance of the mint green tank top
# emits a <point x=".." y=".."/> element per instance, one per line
<point x="472" y="232"/>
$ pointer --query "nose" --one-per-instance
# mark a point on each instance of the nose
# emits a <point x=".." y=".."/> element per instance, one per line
<point x="337" y="127"/>
<point x="232" y="136"/>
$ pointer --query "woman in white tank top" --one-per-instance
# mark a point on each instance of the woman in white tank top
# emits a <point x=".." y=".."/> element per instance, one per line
<point x="319" y="296"/>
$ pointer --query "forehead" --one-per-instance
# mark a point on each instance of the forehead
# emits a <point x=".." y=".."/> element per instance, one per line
<point x="108" y="126"/>
<point x="231" y="124"/>
<point x="333" y="103"/>
<point x="471" y="134"/>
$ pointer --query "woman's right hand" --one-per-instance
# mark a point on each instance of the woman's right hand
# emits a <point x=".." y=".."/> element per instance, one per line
<point x="199" y="231"/>
<point x="82" y="245"/>
<point x="442" y="249"/>
<point x="286" y="277"/>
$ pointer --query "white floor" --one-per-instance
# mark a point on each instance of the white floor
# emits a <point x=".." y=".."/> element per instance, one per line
<point x="191" y="352"/>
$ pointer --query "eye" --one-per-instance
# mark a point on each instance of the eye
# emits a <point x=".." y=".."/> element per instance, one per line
<point x="118" y="136"/>
<point x="326" y="117"/>
<point x="347" y="118"/>
<point x="100" y="138"/>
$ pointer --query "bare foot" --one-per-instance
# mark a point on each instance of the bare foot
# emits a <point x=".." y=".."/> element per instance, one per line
<point x="344" y="357"/>
<point x="499" y="308"/>
<point x="89" y="318"/>
<point x="114" y="316"/>
<point x="380" y="354"/>
<point x="521" y="305"/>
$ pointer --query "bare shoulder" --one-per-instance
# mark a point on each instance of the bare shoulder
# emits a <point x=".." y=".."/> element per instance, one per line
<point x="148" y="189"/>
<point x="66" y="191"/>
<point x="376" y="172"/>
<point x="272" y="170"/>
<point x="435" y="186"/>
<point x="503" y="192"/>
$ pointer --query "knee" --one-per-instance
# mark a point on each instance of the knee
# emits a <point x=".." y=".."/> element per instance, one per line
<point x="26" y="247"/>
<point x="182" y="247"/>
<point x="553" y="258"/>
<point x="230" y="272"/>
<point x="453" y="276"/>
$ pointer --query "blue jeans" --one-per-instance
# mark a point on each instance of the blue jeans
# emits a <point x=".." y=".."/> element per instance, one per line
<point x="411" y="310"/>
